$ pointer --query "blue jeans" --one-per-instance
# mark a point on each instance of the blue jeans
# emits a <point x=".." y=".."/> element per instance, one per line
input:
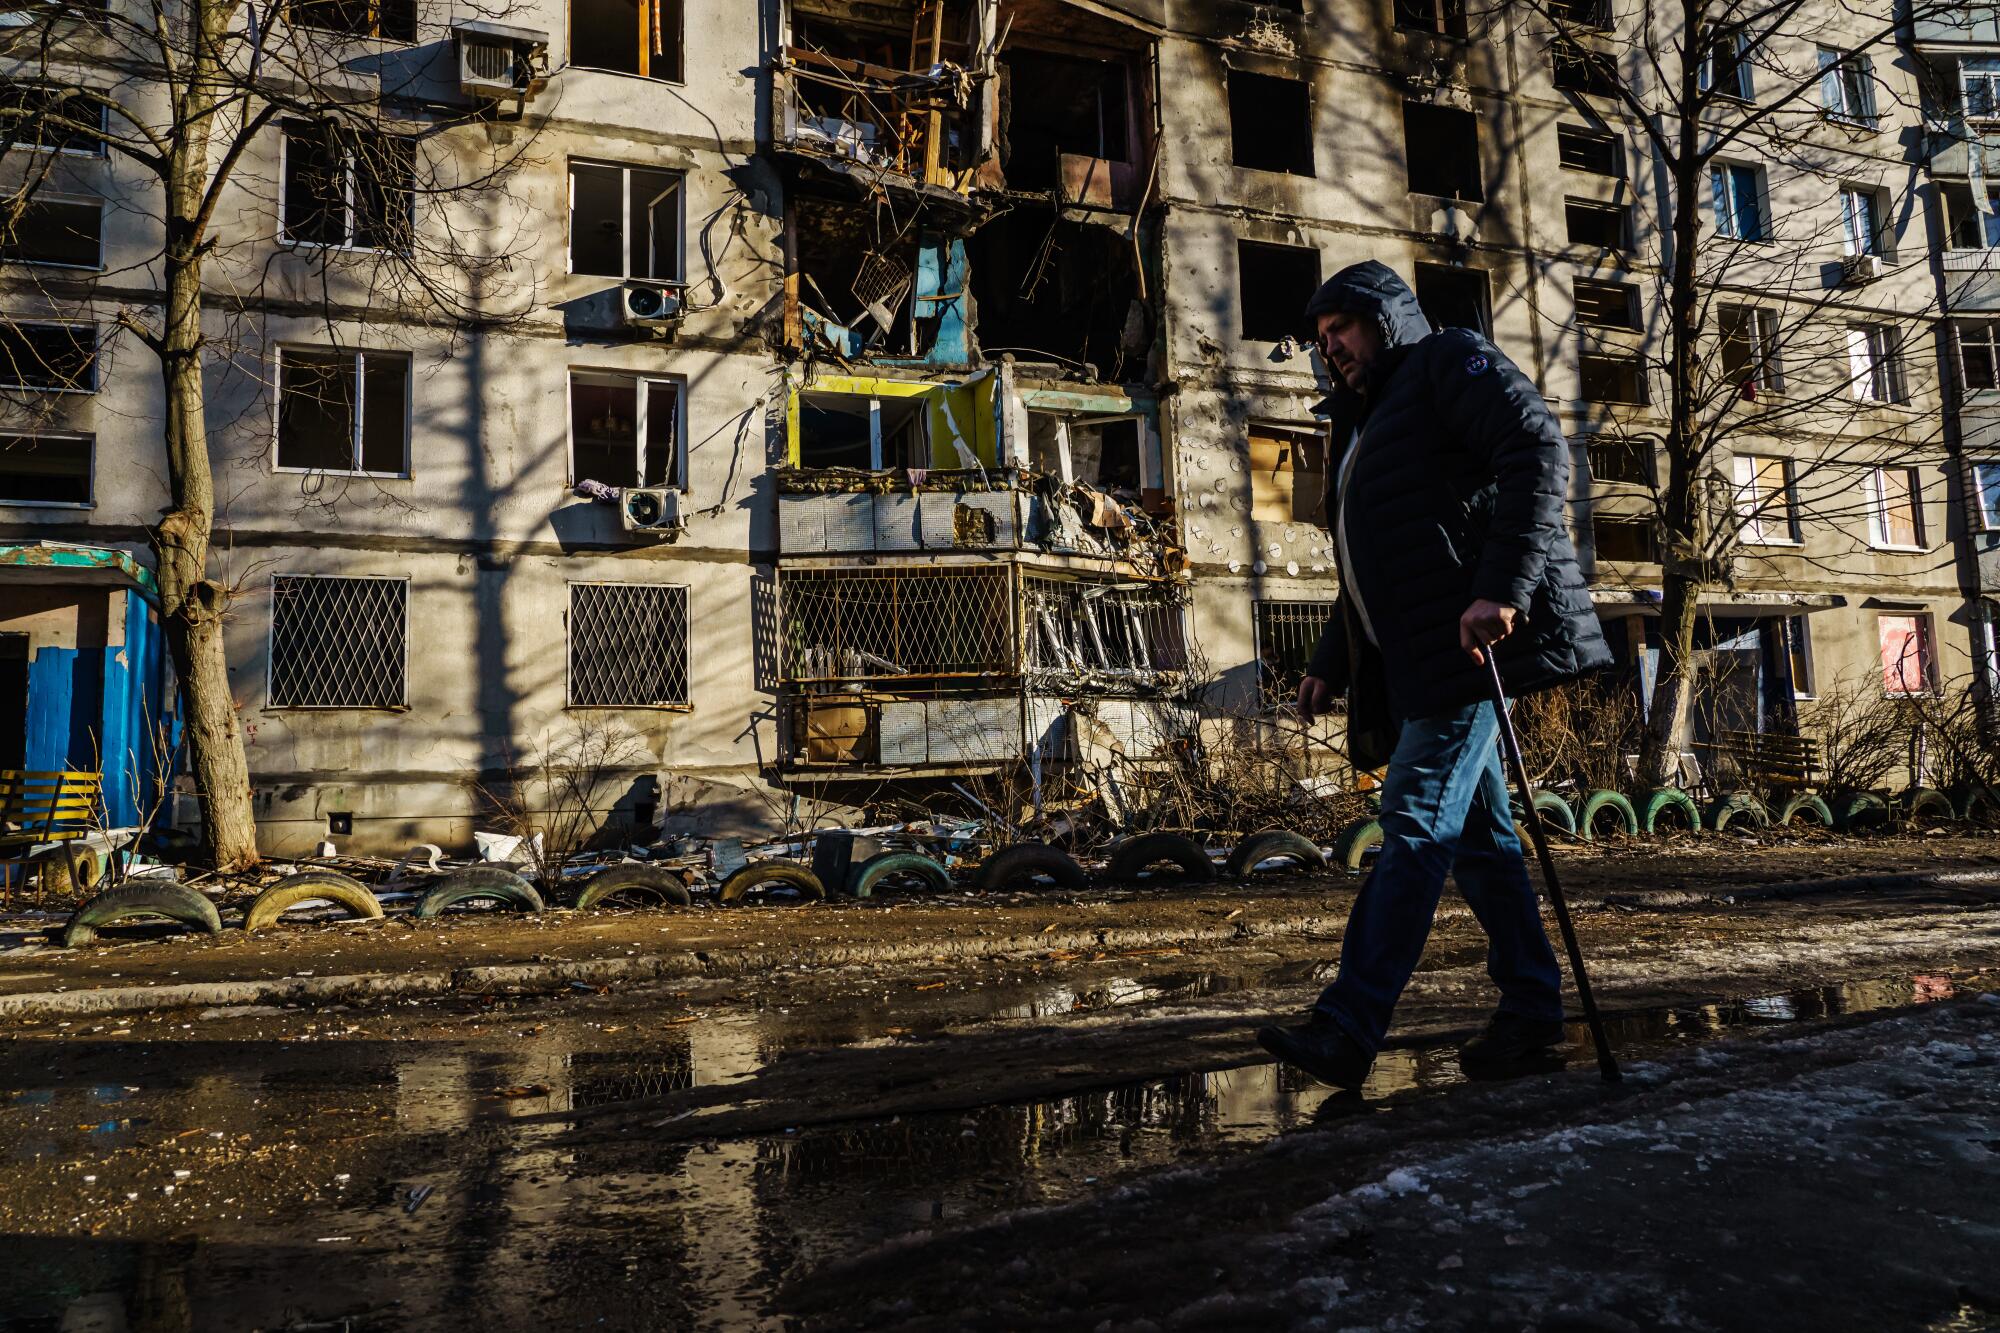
<point x="1444" y="808"/>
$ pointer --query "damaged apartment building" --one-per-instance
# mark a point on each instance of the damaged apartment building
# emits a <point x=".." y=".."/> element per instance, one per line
<point x="894" y="394"/>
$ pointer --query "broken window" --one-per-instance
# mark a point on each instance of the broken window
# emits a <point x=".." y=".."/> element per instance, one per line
<point x="1612" y="379"/>
<point x="1908" y="666"/>
<point x="64" y="232"/>
<point x="339" y="642"/>
<point x="1764" y="500"/>
<point x="1270" y="123"/>
<point x="1618" y="458"/>
<point x="1441" y="149"/>
<point x="60" y="357"/>
<point x="1455" y="298"/>
<point x="1609" y="305"/>
<point x="1063" y="106"/>
<point x="1577" y="68"/>
<point x="1097" y="451"/>
<point x="624" y="222"/>
<point x="1628" y="539"/>
<point x="344" y="411"/>
<point x="1750" y="349"/>
<point x="1287" y="634"/>
<point x="1593" y="151"/>
<point x="1725" y="66"/>
<point x="393" y="20"/>
<point x="347" y="189"/>
<point x="1601" y="226"/>
<point x="857" y="270"/>
<point x="1274" y="282"/>
<point x="628" y="36"/>
<point x="1048" y="289"/>
<point x="929" y="622"/>
<point x="1875" y="364"/>
<point x="1129" y="630"/>
<point x="862" y="431"/>
<point x="1978" y="344"/>
<point x="45" y="469"/>
<point x="1445" y="17"/>
<point x="624" y="430"/>
<point x="628" y="645"/>
<point x="1287" y="474"/>
<point x="1895" y="512"/>
<point x="1582" y="13"/>
<point x="52" y="120"/>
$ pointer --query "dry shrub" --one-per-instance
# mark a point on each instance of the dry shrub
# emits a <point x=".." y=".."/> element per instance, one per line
<point x="1579" y="732"/>
<point x="1863" y="736"/>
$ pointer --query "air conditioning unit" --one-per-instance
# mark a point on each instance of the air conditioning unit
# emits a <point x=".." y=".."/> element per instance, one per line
<point x="652" y="305"/>
<point x="654" y="510"/>
<point x="1857" y="270"/>
<point x="496" y="62"/>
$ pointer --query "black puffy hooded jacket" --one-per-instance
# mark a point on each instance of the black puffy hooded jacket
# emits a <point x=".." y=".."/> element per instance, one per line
<point x="1455" y="492"/>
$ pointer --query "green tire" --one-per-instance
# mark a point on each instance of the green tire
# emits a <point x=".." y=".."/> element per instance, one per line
<point x="1358" y="839"/>
<point x="1737" y="808"/>
<point x="1809" y="805"/>
<point x="1600" y="808"/>
<point x="1669" y="810"/>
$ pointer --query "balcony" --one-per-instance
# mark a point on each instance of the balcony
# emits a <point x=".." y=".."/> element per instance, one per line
<point x="1971" y="26"/>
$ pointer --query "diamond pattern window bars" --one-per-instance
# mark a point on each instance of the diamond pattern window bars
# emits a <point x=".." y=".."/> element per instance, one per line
<point x="628" y="645"/>
<point x="876" y="624"/>
<point x="339" y="642"/>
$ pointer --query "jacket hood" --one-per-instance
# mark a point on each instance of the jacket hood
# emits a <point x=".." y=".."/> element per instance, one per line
<point x="1371" y="288"/>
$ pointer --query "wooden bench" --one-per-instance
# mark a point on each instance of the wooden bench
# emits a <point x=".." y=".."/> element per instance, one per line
<point x="1787" y="761"/>
<point x="37" y="809"/>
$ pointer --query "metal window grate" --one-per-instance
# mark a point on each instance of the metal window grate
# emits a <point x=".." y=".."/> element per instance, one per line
<point x="1132" y="631"/>
<point x="1287" y="633"/>
<point x="628" y="645"/>
<point x="339" y="642"/>
<point x="852" y="624"/>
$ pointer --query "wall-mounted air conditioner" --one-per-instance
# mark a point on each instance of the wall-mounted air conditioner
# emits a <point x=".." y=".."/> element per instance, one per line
<point x="652" y="510"/>
<point x="497" y="62"/>
<point x="652" y="305"/>
<point x="1857" y="270"/>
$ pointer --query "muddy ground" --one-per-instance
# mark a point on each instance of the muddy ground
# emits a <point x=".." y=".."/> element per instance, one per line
<point x="1064" y="1137"/>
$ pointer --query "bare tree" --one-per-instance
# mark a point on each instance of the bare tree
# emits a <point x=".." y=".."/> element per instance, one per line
<point x="1752" y="114"/>
<point x="187" y="102"/>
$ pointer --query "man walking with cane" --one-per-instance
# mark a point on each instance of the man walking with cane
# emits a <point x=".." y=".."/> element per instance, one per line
<point x="1447" y="503"/>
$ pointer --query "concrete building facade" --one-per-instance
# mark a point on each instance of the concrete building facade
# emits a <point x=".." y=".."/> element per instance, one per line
<point x="951" y="351"/>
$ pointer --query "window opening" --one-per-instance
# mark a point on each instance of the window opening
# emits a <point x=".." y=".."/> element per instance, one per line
<point x="1750" y="349"/>
<point x="641" y="37"/>
<point x="624" y="429"/>
<point x="1966" y="227"/>
<point x="1576" y="68"/>
<point x="1739" y="202"/>
<point x="1600" y="226"/>
<point x="38" y="109"/>
<point x="1441" y="149"/>
<point x="1591" y="151"/>
<point x="392" y="20"/>
<point x="1444" y="17"/>
<point x="339" y="642"/>
<point x="860" y="431"/>
<point x="1846" y="85"/>
<point x="1287" y="634"/>
<point x="1620" y="459"/>
<point x="347" y="189"/>
<point x="1894" y="520"/>
<point x="1907" y="666"/>
<point x="625" y="222"/>
<point x="1986" y="479"/>
<point x="1978" y="353"/>
<point x="1628" y="539"/>
<point x="67" y="233"/>
<point x="344" y="411"/>
<point x="1860" y="221"/>
<point x="1764" y="509"/>
<point x="46" y="469"/>
<point x="1582" y="13"/>
<point x="865" y="624"/>
<point x="1455" y="298"/>
<point x="1875" y="364"/>
<point x="628" y="645"/>
<point x="1610" y="305"/>
<point x="1287" y="475"/>
<point x="1270" y="123"/>
<point x="60" y="357"/>
<point x="1613" y="379"/>
<point x="1982" y="93"/>
<point x="1725" y="69"/>
<point x="1057" y="106"/>
<point x="1274" y="282"/>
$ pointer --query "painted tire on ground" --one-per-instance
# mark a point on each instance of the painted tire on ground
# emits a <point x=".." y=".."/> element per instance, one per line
<point x="155" y="898"/>
<point x="1807" y="804"/>
<point x="52" y="870"/>
<point x="772" y="874"/>
<point x="502" y="886"/>
<point x="1926" y="805"/>
<point x="1671" y="807"/>
<point x="1270" y="845"/>
<point x="1134" y="856"/>
<point x="311" y="886"/>
<point x="1976" y="805"/>
<point x="1858" y="810"/>
<point x="633" y="884"/>
<point x="1358" y="839"/>
<point x="1018" y="866"/>
<point x="1606" y="812"/>
<point x="1737" y="808"/>
<point x="1556" y="813"/>
<point x="876" y="871"/>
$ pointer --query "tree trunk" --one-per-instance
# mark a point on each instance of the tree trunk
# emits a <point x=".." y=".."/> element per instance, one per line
<point x="1673" y="686"/>
<point x="191" y="603"/>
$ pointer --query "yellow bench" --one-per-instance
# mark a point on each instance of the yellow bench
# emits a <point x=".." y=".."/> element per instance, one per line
<point x="41" y="808"/>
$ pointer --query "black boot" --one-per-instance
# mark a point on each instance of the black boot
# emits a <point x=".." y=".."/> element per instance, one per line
<point x="1512" y="1046"/>
<point x="1321" y="1048"/>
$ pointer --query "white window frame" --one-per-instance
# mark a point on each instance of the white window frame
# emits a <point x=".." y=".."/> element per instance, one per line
<point x="360" y="355"/>
<point x="103" y="120"/>
<point x="96" y="346"/>
<point x="271" y="635"/>
<point x="1875" y="365"/>
<point x="347" y="177"/>
<point x="685" y="705"/>
<point x="1836" y="67"/>
<point x="89" y="440"/>
<point x="1927" y="633"/>
<point x="1730" y="227"/>
<point x="1991" y="79"/>
<point x="1766" y="372"/>
<point x="1855" y="201"/>
<point x="1759" y="522"/>
<point x="1878" y="509"/>
<point x="1990" y="341"/>
<point x="625" y="170"/>
<point x="97" y="265"/>
<point x="1746" y="84"/>
<point x="679" y="481"/>
<point x="1988" y="522"/>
